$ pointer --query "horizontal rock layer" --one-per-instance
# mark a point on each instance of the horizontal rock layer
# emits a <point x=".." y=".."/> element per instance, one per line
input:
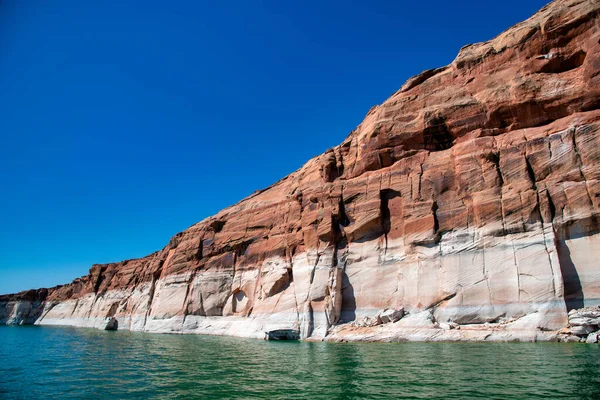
<point x="470" y="198"/>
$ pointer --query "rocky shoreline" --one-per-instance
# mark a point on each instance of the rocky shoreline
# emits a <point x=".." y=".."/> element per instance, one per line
<point x="387" y="326"/>
<point x="583" y="326"/>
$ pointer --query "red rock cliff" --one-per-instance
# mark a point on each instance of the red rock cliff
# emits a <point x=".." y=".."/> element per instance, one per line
<point x="471" y="197"/>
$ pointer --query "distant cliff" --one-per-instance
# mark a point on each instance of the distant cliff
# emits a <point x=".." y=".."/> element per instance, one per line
<point x="469" y="199"/>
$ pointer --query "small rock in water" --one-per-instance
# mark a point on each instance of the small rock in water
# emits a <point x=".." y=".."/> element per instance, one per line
<point x="112" y="324"/>
<point x="592" y="338"/>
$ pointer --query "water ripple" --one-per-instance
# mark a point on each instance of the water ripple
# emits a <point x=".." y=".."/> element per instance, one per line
<point x="70" y="363"/>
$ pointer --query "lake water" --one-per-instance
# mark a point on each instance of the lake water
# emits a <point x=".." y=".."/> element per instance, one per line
<point x="70" y="363"/>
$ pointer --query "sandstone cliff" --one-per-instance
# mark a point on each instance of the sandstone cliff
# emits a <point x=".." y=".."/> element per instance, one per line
<point x="469" y="199"/>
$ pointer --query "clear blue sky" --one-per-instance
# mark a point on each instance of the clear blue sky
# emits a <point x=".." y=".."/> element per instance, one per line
<point x="122" y="125"/>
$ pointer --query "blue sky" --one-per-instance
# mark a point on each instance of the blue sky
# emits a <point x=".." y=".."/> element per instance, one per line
<point x="123" y="124"/>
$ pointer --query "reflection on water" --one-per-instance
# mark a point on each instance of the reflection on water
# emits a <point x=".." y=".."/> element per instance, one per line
<point x="36" y="362"/>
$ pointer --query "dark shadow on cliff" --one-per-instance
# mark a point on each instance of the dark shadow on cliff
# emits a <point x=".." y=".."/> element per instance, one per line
<point x="572" y="284"/>
<point x="35" y="313"/>
<point x="21" y="312"/>
<point x="23" y="308"/>
<point x="348" y="300"/>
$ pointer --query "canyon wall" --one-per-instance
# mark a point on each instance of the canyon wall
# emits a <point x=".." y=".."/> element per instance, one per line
<point x="465" y="207"/>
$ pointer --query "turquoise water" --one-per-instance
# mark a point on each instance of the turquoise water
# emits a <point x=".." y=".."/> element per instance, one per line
<point x="69" y="363"/>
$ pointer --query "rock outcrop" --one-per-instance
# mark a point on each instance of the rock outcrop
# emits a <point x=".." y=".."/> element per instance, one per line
<point x="584" y="325"/>
<point x="469" y="199"/>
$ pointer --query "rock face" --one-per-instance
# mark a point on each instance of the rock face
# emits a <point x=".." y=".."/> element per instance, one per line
<point x="470" y="197"/>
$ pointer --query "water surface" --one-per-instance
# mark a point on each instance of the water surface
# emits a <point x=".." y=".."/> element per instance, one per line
<point x="70" y="363"/>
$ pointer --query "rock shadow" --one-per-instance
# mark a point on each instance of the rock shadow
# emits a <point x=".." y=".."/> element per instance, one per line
<point x="574" y="297"/>
<point x="348" y="312"/>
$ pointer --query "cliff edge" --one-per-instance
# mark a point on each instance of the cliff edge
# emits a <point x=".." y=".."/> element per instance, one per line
<point x="465" y="207"/>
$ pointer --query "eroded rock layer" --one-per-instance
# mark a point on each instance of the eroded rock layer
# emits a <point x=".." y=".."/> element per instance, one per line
<point x="469" y="199"/>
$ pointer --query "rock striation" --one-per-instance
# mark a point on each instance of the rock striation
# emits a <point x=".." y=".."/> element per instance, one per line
<point x="465" y="207"/>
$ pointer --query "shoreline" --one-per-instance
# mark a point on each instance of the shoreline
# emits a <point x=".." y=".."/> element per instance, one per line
<point x="404" y="336"/>
<point x="417" y="327"/>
